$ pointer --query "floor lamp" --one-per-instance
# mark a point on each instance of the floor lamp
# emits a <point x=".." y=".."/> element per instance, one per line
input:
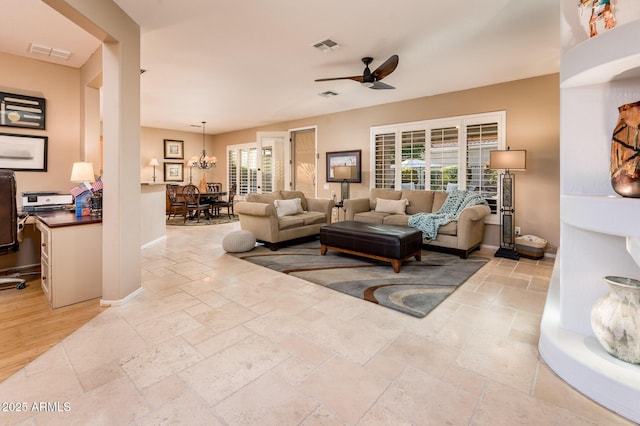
<point x="507" y="161"/>
<point x="345" y="173"/>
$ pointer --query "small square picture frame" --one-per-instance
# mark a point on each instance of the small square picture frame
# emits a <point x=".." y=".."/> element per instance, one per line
<point x="173" y="149"/>
<point x="173" y="172"/>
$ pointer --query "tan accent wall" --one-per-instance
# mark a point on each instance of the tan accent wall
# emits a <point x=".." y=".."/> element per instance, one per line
<point x="533" y="123"/>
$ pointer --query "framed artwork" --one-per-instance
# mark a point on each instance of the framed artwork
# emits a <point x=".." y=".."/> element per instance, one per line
<point x="22" y="111"/>
<point x="344" y="158"/>
<point x="23" y="152"/>
<point x="173" y="149"/>
<point x="173" y="172"/>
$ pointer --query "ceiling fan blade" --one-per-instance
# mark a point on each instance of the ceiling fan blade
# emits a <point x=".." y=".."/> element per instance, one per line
<point x="380" y="85"/>
<point x="386" y="68"/>
<point x="357" y="78"/>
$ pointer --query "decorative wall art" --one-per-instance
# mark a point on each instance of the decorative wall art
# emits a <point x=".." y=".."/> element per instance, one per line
<point x="173" y="149"/>
<point x="22" y="111"/>
<point x="173" y="172"/>
<point x="600" y="10"/>
<point x="23" y="152"/>
<point x="344" y="158"/>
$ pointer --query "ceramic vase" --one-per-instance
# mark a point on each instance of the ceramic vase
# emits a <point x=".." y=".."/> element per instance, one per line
<point x="625" y="151"/>
<point x="615" y="319"/>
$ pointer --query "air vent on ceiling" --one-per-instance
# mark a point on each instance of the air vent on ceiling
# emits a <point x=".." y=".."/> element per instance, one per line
<point x="328" y="94"/>
<point x="326" y="45"/>
<point x="42" y="50"/>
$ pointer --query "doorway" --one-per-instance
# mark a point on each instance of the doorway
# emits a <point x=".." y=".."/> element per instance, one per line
<point x="303" y="161"/>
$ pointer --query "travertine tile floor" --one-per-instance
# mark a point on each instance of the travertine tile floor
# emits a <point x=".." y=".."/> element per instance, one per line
<point x="214" y="340"/>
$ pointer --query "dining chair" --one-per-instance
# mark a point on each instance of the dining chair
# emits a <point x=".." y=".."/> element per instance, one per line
<point x="176" y="206"/>
<point x="191" y="195"/>
<point x="228" y="203"/>
<point x="214" y="187"/>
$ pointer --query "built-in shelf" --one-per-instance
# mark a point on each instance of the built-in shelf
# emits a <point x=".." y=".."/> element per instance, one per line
<point x="593" y="213"/>
<point x="609" y="56"/>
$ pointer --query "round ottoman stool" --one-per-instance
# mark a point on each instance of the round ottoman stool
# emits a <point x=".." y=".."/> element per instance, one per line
<point x="238" y="242"/>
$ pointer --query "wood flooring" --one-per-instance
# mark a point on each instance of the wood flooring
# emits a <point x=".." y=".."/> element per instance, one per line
<point x="29" y="327"/>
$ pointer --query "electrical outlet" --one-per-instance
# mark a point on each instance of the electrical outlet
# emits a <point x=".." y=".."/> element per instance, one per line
<point x="517" y="230"/>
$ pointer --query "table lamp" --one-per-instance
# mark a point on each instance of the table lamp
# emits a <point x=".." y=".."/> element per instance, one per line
<point x="507" y="160"/>
<point x="345" y="173"/>
<point x="154" y="162"/>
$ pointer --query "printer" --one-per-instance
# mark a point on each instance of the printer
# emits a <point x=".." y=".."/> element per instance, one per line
<point x="45" y="201"/>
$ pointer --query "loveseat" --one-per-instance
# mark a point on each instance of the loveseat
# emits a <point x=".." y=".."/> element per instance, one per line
<point x="395" y="207"/>
<point x="281" y="216"/>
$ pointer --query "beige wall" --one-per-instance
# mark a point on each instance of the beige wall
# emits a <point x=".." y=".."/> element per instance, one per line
<point x="60" y="86"/>
<point x="533" y="123"/>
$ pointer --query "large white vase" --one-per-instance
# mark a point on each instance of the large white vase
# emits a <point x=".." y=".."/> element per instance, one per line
<point x="615" y="319"/>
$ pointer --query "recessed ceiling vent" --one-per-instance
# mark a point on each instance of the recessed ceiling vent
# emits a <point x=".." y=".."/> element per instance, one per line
<point x="328" y="94"/>
<point x="42" y="50"/>
<point x="326" y="45"/>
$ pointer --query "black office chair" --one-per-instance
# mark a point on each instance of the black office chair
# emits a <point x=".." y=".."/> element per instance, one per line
<point x="10" y="224"/>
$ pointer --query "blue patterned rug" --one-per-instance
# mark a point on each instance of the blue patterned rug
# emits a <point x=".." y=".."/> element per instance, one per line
<point x="419" y="287"/>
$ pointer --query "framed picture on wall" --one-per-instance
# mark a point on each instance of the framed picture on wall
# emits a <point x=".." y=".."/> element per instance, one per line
<point x="173" y="172"/>
<point x="340" y="162"/>
<point x="22" y="111"/>
<point x="23" y="152"/>
<point x="173" y="149"/>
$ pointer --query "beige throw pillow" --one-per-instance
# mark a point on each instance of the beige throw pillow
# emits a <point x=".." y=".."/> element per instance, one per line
<point x="288" y="207"/>
<point x="391" y="206"/>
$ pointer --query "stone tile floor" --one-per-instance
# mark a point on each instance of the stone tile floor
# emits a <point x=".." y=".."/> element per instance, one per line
<point x="213" y="340"/>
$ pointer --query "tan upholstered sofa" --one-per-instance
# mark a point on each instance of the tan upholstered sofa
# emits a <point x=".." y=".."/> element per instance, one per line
<point x="461" y="236"/>
<point x="259" y="214"/>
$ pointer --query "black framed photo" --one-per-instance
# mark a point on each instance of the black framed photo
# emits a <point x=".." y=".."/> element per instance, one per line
<point x="23" y="152"/>
<point x="173" y="149"/>
<point x="22" y="111"/>
<point x="173" y="172"/>
<point x="344" y="165"/>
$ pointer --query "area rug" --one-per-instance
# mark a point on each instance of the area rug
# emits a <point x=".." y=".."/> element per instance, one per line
<point x="419" y="287"/>
<point x="179" y="221"/>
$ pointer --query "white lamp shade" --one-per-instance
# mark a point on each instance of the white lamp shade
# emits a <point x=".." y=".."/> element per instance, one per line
<point x="82" y="172"/>
<point x="154" y="162"/>
<point x="344" y="172"/>
<point x="508" y="159"/>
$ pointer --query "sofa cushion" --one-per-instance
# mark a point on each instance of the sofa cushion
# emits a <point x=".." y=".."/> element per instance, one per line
<point x="419" y="201"/>
<point x="439" y="198"/>
<point x="450" y="228"/>
<point x="370" y="217"/>
<point x="312" y="218"/>
<point x="387" y="194"/>
<point x="263" y="198"/>
<point x="288" y="222"/>
<point x="391" y="206"/>
<point x="289" y="195"/>
<point x="288" y="207"/>
<point x="397" y="219"/>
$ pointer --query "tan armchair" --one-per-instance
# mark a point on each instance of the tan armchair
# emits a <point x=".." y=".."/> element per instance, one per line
<point x="258" y="214"/>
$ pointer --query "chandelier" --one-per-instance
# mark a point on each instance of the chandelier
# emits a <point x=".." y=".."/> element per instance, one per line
<point x="204" y="161"/>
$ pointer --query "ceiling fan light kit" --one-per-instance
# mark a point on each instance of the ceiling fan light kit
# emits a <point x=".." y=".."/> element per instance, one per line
<point x="372" y="79"/>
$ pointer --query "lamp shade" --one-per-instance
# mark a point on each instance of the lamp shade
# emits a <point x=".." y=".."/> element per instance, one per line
<point x="154" y="162"/>
<point x="82" y="172"/>
<point x="508" y="159"/>
<point x="344" y="172"/>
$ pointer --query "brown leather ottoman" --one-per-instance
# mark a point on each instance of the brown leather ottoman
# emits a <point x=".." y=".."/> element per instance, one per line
<point x="383" y="242"/>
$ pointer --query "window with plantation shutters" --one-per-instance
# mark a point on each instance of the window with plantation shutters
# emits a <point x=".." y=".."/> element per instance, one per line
<point x="232" y="169"/>
<point x="444" y="151"/>
<point x="412" y="175"/>
<point x="440" y="155"/>
<point x="267" y="169"/>
<point x="384" y="154"/>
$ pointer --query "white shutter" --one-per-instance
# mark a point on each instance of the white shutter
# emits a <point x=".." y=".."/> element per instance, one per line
<point x="413" y="164"/>
<point x="443" y="155"/>
<point x="482" y="138"/>
<point x="385" y="152"/>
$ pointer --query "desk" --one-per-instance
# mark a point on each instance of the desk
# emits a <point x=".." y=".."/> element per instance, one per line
<point x="70" y="257"/>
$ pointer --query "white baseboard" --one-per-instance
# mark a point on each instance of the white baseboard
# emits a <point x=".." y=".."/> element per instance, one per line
<point x="122" y="301"/>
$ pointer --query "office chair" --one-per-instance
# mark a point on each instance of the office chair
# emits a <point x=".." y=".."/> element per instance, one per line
<point x="9" y="224"/>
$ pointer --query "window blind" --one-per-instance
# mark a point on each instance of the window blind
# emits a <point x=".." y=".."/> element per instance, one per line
<point x="413" y="164"/>
<point x="385" y="153"/>
<point x="443" y="157"/>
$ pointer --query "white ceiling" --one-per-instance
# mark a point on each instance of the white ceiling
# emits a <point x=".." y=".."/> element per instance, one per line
<point x="247" y="63"/>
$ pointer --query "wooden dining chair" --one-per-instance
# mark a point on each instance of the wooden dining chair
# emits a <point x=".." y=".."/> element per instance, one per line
<point x="194" y="205"/>
<point x="176" y="205"/>
<point x="214" y="186"/>
<point x="228" y="203"/>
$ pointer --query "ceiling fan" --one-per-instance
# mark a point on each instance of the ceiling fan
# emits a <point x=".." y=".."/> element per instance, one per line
<point x="372" y="79"/>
